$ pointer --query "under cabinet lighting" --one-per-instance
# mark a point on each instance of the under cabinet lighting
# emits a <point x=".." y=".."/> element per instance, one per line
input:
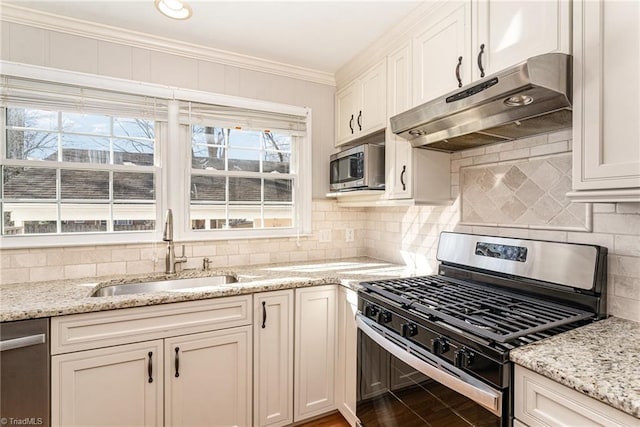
<point x="175" y="9"/>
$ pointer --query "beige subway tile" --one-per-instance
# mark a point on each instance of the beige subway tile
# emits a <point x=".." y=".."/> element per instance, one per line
<point x="626" y="287"/>
<point x="530" y="142"/>
<point x="557" y="147"/>
<point x="486" y="158"/>
<point x="205" y="250"/>
<point x="552" y="235"/>
<point x="111" y="268"/>
<point x="79" y="271"/>
<point x="125" y="254"/>
<point x="227" y="249"/>
<point x="616" y="224"/>
<point x="95" y="256"/>
<point x="299" y="256"/>
<point x="563" y="135"/>
<point x="5" y="261"/>
<point x="626" y="308"/>
<point x="279" y="257"/>
<point x="457" y="164"/>
<point x="601" y="239"/>
<point x="37" y="274"/>
<point x="624" y="266"/>
<point x="28" y="260"/>
<point x="626" y="245"/>
<point x="240" y="260"/>
<point x="628" y="208"/>
<point x="473" y="152"/>
<point x="259" y="258"/>
<point x="14" y="275"/>
<point x="55" y="257"/>
<point x="498" y="147"/>
<point x="604" y="207"/>
<point x="142" y="266"/>
<point x="515" y="154"/>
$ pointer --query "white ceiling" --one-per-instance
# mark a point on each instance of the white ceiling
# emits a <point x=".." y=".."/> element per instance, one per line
<point x="319" y="35"/>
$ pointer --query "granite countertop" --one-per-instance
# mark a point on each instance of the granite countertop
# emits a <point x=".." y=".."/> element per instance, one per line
<point x="601" y="360"/>
<point x="56" y="298"/>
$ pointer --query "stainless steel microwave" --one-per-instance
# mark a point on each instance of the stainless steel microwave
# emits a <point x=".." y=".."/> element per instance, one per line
<point x="357" y="168"/>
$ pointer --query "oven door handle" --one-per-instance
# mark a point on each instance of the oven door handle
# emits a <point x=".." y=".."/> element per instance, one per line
<point x="478" y="391"/>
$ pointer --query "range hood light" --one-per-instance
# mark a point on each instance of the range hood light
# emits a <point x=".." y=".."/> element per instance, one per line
<point x="518" y="100"/>
<point x="174" y="9"/>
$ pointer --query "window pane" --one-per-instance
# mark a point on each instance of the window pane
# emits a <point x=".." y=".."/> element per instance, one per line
<point x="208" y="135"/>
<point x="133" y="186"/>
<point x="29" y="183"/>
<point x="76" y="184"/>
<point x="30" y="118"/>
<point x="134" y="217"/>
<point x="243" y="216"/>
<point x="84" y="218"/>
<point x="245" y="189"/>
<point x="86" y="123"/>
<point x="278" y="216"/>
<point x="209" y="188"/>
<point x="133" y="152"/>
<point x="208" y="217"/>
<point x="207" y="157"/>
<point x="29" y="145"/>
<point x="278" y="190"/>
<point x="29" y="218"/>
<point x="244" y="160"/>
<point x="245" y="139"/>
<point x="133" y="128"/>
<point x="85" y="149"/>
<point x="277" y="142"/>
<point x="276" y="161"/>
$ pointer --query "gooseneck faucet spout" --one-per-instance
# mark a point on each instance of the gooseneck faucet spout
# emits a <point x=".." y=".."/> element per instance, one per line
<point x="170" y="258"/>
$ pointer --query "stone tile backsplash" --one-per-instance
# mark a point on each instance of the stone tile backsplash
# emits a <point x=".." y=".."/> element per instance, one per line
<point x="407" y="235"/>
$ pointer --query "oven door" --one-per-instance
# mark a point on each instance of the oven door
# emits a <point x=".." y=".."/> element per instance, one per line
<point x="402" y="385"/>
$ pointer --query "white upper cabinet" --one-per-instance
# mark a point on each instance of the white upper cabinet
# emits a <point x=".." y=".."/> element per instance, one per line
<point x="508" y="32"/>
<point x="606" y="133"/>
<point x="442" y="53"/>
<point x="361" y="105"/>
<point x="412" y="175"/>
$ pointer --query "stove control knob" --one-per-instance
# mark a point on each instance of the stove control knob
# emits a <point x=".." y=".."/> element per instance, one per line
<point x="384" y="317"/>
<point x="409" y="330"/>
<point x="439" y="346"/>
<point x="463" y="358"/>
<point x="371" y="311"/>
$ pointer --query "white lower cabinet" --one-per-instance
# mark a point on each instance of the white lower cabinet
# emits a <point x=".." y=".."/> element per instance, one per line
<point x="273" y="358"/>
<point x="193" y="379"/>
<point x="346" y="369"/>
<point x="540" y="401"/>
<point x="315" y="337"/>
<point x="113" y="386"/>
<point x="208" y="379"/>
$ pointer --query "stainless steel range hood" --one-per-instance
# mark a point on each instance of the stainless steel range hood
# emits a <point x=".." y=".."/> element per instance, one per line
<point x="527" y="99"/>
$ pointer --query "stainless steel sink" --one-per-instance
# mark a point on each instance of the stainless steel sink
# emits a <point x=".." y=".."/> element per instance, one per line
<point x="181" y="285"/>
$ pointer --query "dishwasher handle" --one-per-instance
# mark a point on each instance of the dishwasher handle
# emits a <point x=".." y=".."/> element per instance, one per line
<point x="22" y="342"/>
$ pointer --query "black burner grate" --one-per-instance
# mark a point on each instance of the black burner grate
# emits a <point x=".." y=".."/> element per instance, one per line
<point x="486" y="311"/>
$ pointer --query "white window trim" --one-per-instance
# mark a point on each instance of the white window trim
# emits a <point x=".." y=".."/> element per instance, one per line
<point x="171" y="193"/>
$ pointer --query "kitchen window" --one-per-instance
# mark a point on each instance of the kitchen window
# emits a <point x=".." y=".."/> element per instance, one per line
<point x="245" y="174"/>
<point x="83" y="165"/>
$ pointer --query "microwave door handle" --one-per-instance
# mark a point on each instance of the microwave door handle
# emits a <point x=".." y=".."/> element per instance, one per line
<point x="479" y="392"/>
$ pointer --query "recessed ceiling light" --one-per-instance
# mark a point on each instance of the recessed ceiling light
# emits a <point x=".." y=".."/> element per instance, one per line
<point x="175" y="9"/>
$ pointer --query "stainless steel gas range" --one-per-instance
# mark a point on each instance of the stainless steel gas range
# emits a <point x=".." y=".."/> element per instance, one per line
<point x="434" y="350"/>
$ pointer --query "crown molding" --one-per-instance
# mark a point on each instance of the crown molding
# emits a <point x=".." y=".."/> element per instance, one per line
<point x="33" y="18"/>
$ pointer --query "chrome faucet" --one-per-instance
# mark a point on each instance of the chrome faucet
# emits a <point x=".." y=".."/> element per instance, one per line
<point x="170" y="258"/>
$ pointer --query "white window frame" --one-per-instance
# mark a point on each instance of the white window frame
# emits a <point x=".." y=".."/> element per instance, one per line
<point x="171" y="193"/>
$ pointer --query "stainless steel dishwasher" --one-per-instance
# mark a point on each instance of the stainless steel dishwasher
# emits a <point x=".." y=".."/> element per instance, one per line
<point x="24" y="372"/>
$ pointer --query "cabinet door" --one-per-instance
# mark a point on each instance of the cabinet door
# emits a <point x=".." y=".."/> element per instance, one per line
<point x="398" y="150"/>
<point x="373" y="113"/>
<point x="273" y="358"/>
<point x="512" y="31"/>
<point x="437" y="52"/>
<point x="346" y="371"/>
<point x="606" y="96"/>
<point x="315" y="335"/>
<point x="208" y="378"/>
<point x="114" y="386"/>
<point x="347" y="107"/>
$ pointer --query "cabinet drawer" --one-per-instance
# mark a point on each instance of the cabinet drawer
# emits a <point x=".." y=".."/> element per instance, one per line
<point x="107" y="328"/>
<point x="540" y="401"/>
